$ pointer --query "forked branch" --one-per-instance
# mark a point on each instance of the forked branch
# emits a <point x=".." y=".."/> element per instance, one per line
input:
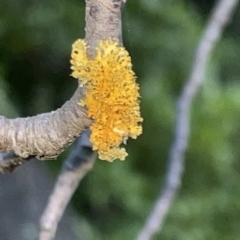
<point x="45" y="136"/>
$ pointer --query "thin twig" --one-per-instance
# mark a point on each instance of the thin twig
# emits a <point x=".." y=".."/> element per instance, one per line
<point x="220" y="16"/>
<point x="78" y="164"/>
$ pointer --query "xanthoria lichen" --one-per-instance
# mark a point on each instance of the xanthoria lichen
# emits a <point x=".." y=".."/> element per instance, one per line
<point x="111" y="96"/>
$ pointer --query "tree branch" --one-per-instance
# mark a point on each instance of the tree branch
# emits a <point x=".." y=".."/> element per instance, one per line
<point x="77" y="165"/>
<point x="46" y="135"/>
<point x="219" y="18"/>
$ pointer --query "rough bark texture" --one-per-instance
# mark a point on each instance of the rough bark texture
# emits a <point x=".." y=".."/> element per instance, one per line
<point x="45" y="136"/>
<point x="103" y="21"/>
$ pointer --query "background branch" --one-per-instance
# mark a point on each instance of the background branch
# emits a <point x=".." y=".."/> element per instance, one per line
<point x="220" y="16"/>
<point x="79" y="162"/>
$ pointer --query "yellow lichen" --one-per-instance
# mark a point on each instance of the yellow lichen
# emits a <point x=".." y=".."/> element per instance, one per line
<point x="111" y="96"/>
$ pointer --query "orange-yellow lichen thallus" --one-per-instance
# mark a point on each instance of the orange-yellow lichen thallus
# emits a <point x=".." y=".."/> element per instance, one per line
<point x="111" y="96"/>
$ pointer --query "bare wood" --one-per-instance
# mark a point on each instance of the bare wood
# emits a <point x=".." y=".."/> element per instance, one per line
<point x="212" y="34"/>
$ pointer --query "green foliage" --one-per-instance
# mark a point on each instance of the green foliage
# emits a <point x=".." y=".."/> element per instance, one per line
<point x="161" y="36"/>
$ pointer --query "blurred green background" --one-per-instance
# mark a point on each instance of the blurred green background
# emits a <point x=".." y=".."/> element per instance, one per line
<point x="161" y="36"/>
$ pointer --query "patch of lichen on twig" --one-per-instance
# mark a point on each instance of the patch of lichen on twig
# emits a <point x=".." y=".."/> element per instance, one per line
<point x="112" y="96"/>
